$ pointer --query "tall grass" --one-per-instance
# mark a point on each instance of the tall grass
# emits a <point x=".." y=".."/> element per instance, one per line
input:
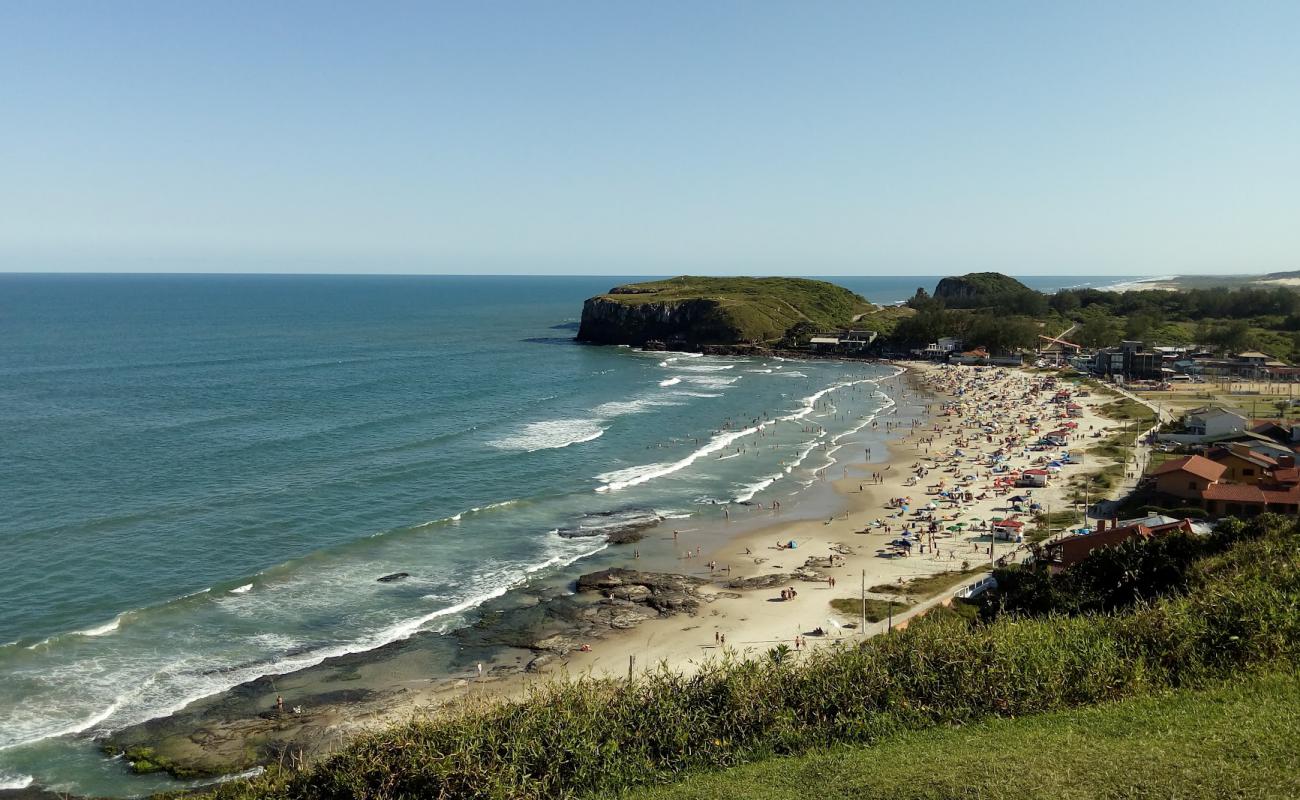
<point x="598" y="734"/>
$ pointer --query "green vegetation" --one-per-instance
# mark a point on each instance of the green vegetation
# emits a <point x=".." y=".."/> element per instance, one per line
<point x="144" y="760"/>
<point x="985" y="309"/>
<point x="1000" y="313"/>
<point x="876" y="609"/>
<point x="1189" y="618"/>
<point x="1049" y="524"/>
<point x="929" y="585"/>
<point x="1111" y="578"/>
<point x="718" y="310"/>
<point x="990" y="290"/>
<point x="1237" y="739"/>
<point x="1244" y="318"/>
<point x="1116" y="447"/>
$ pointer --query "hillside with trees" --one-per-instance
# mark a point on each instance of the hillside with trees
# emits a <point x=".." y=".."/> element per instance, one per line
<point x="1004" y="315"/>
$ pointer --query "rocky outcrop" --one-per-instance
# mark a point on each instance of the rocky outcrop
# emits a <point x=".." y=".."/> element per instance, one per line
<point x="762" y="581"/>
<point x="628" y="598"/>
<point x="606" y="321"/>
<point x="618" y="527"/>
<point x="666" y="593"/>
<point x="697" y="311"/>
<point x="979" y="289"/>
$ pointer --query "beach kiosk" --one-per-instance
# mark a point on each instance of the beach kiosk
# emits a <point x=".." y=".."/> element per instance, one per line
<point x="1008" y="530"/>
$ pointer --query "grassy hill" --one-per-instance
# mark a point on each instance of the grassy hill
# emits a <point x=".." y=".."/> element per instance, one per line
<point x="1186" y="613"/>
<point x="704" y="310"/>
<point x="1237" y="739"/>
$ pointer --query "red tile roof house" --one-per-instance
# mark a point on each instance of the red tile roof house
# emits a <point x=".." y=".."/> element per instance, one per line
<point x="1199" y="480"/>
<point x="1187" y="477"/>
<point x="1244" y="465"/>
<point x="1239" y="499"/>
<point x="1073" y="549"/>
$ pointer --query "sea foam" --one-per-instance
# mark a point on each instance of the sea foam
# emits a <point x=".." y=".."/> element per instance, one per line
<point x="550" y="435"/>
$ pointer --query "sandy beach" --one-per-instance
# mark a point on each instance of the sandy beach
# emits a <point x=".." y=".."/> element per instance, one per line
<point x="974" y="415"/>
<point x="959" y="439"/>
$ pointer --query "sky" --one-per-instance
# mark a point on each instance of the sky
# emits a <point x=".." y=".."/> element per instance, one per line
<point x="715" y="137"/>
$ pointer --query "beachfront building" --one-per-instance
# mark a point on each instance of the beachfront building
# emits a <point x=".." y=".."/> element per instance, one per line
<point x="1243" y="464"/>
<point x="1249" y="366"/>
<point x="1034" y="478"/>
<point x="1200" y="481"/>
<point x="1212" y="421"/>
<point x="1187" y="477"/>
<point x="849" y="341"/>
<point x="1206" y="424"/>
<point x="1010" y="530"/>
<point x="1130" y="361"/>
<point x="1071" y="550"/>
<point x="1243" y="500"/>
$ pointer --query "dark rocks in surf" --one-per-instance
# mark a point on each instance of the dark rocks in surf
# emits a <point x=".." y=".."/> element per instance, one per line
<point x="621" y="526"/>
<point x="396" y="576"/>
<point x="664" y="592"/>
<point x="628" y="598"/>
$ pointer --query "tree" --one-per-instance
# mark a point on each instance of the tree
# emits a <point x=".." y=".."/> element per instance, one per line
<point x="1143" y="324"/>
<point x="1230" y="335"/>
<point x="1099" y="329"/>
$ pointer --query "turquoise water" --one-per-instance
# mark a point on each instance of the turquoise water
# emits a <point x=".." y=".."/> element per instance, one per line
<point x="205" y="475"/>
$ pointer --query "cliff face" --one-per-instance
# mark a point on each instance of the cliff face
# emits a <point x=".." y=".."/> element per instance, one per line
<point x="721" y="311"/>
<point x="956" y="289"/>
<point x="980" y="289"/>
<point x="606" y="321"/>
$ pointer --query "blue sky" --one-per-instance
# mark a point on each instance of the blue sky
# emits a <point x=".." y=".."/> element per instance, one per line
<point x="650" y="138"/>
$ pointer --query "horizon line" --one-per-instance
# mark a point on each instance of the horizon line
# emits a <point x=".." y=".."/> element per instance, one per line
<point x="1148" y="276"/>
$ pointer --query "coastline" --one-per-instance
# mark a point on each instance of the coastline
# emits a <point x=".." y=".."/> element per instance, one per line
<point x="366" y="690"/>
<point x="348" y="694"/>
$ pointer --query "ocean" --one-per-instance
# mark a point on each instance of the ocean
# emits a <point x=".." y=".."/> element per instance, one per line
<point x="204" y="476"/>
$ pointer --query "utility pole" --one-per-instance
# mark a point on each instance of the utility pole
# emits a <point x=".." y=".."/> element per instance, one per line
<point x="864" y="602"/>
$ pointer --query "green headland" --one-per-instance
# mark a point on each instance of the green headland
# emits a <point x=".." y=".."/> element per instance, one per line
<point x="699" y="310"/>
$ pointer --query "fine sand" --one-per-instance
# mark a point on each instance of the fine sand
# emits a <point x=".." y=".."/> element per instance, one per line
<point x="753" y="621"/>
<point x="980" y="423"/>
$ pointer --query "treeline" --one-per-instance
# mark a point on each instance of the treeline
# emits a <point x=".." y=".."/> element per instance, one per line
<point x="997" y="332"/>
<point x="1191" y="304"/>
<point x="1010" y="316"/>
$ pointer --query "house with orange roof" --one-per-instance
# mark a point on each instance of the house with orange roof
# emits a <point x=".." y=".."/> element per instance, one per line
<point x="1063" y="553"/>
<point x="1187" y="477"/>
<point x="1243" y="464"/>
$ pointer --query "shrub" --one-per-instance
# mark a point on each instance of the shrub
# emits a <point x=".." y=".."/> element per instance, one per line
<point x="1192" y="613"/>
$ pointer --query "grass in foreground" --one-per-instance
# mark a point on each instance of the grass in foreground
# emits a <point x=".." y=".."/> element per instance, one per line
<point x="1230" y="607"/>
<point x="1236" y="740"/>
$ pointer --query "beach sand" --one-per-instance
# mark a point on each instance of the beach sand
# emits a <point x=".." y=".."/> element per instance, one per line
<point x="754" y="621"/>
<point x="961" y="403"/>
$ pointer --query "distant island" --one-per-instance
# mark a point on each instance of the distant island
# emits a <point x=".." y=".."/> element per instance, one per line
<point x="718" y="311"/>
